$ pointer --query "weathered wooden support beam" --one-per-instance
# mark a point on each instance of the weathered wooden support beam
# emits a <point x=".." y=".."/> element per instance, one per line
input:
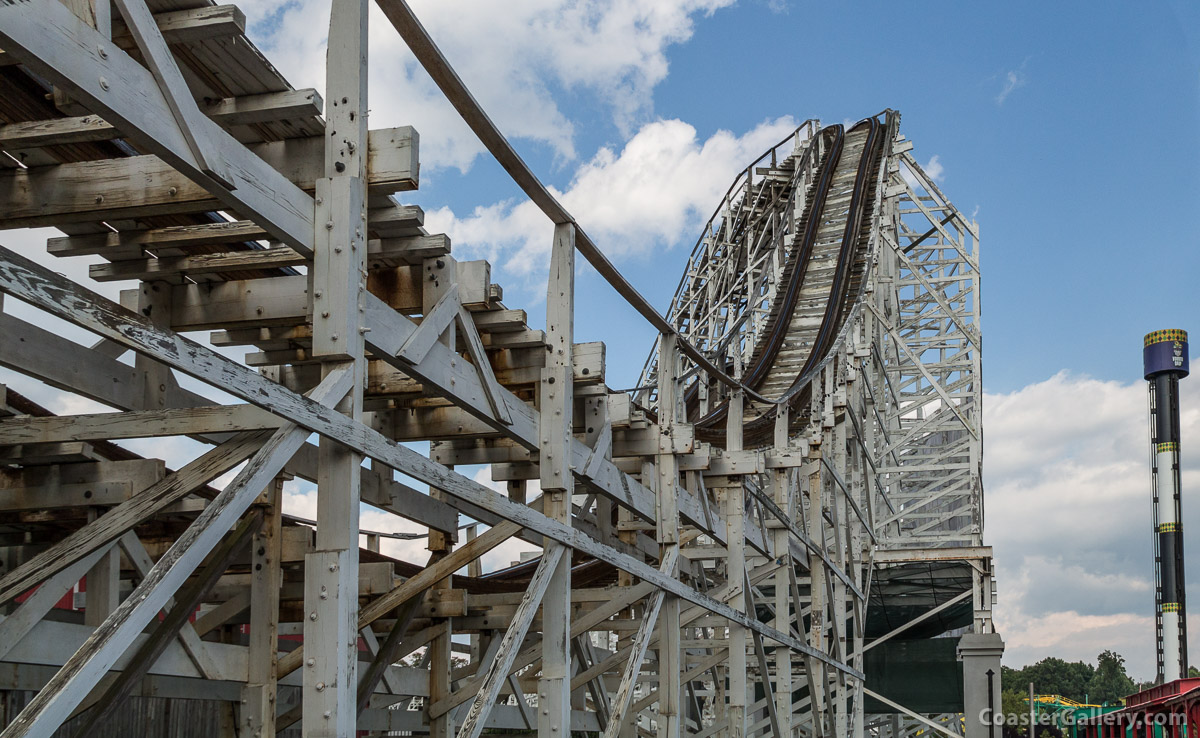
<point x="137" y="186"/>
<point x="192" y="24"/>
<point x="71" y="685"/>
<point x="266" y="107"/>
<point x="497" y="671"/>
<point x="330" y="676"/>
<point x="176" y="268"/>
<point x="51" y="41"/>
<point x="641" y="643"/>
<point x="418" y="583"/>
<point x="176" y="618"/>
<point x="53" y="293"/>
<point x="191" y="123"/>
<point x="259" y="696"/>
<point x="670" y="664"/>
<point x="100" y="483"/>
<point x="122" y="518"/>
<point x="143" y="424"/>
<point x="556" y="398"/>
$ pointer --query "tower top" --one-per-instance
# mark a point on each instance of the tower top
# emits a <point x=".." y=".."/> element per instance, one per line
<point x="1166" y="351"/>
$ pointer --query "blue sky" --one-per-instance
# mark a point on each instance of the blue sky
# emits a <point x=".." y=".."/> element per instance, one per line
<point x="1068" y="128"/>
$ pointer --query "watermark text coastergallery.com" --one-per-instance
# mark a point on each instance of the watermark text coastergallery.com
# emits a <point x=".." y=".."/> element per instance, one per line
<point x="986" y="717"/>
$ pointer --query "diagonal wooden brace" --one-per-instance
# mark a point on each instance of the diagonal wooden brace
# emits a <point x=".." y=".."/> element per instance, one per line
<point x="174" y="88"/>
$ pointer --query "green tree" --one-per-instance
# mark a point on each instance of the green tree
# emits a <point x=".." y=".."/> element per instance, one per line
<point x="1110" y="682"/>
<point x="1051" y="676"/>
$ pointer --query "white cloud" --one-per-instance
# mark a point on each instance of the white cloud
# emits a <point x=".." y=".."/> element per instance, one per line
<point x="1013" y="80"/>
<point x="1066" y="469"/>
<point x="934" y="168"/>
<point x="656" y="192"/>
<point x="515" y="57"/>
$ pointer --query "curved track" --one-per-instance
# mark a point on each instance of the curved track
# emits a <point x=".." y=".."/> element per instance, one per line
<point x="820" y="221"/>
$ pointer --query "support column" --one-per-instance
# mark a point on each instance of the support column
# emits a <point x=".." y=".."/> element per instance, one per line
<point x="782" y="581"/>
<point x="669" y="662"/>
<point x="555" y="404"/>
<point x="735" y="571"/>
<point x="258" y="696"/>
<point x="980" y="654"/>
<point x="338" y="276"/>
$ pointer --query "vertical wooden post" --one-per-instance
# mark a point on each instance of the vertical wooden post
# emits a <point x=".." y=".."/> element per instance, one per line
<point x="669" y="664"/>
<point x="439" y="274"/>
<point x="339" y="264"/>
<point x="258" y="696"/>
<point x="735" y="520"/>
<point x="816" y="638"/>
<point x="783" y="589"/>
<point x="103" y="583"/>
<point x="555" y="404"/>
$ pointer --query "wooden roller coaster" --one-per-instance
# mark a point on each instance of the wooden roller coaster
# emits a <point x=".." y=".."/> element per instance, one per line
<point x="736" y="548"/>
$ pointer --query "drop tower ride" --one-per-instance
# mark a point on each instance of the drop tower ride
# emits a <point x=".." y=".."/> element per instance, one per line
<point x="1165" y="358"/>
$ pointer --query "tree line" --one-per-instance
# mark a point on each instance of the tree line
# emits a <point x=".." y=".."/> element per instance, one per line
<point x="1104" y="683"/>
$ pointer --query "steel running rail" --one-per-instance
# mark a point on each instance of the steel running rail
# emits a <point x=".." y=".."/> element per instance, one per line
<point x="435" y="63"/>
<point x="709" y="427"/>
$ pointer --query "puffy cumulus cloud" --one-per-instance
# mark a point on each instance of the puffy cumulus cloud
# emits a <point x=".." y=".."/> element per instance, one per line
<point x="934" y="168"/>
<point x="655" y="192"/>
<point x="513" y="56"/>
<point x="1066" y="472"/>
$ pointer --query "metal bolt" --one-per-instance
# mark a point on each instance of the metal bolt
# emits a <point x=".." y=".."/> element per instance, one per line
<point x="103" y="83"/>
<point x="312" y="616"/>
<point x="327" y="714"/>
<point x="333" y="567"/>
<point x="99" y="199"/>
<point x="102" y="52"/>
<point x="317" y="294"/>
<point x="329" y="225"/>
<point x="173" y="191"/>
<point x="311" y="662"/>
<point x="337" y="249"/>
<point x="334" y="337"/>
<point x="325" y="314"/>
<point x="320" y="686"/>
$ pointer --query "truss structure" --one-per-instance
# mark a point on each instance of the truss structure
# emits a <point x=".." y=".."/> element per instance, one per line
<point x="688" y="576"/>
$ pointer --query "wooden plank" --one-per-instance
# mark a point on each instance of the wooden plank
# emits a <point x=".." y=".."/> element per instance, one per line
<point x="184" y="266"/>
<point x="144" y="424"/>
<point x="183" y="26"/>
<point x="100" y="483"/>
<point x="84" y="129"/>
<point x="138" y="186"/>
<point x="124" y="244"/>
<point x="265" y="107"/>
<point x="262" y="108"/>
